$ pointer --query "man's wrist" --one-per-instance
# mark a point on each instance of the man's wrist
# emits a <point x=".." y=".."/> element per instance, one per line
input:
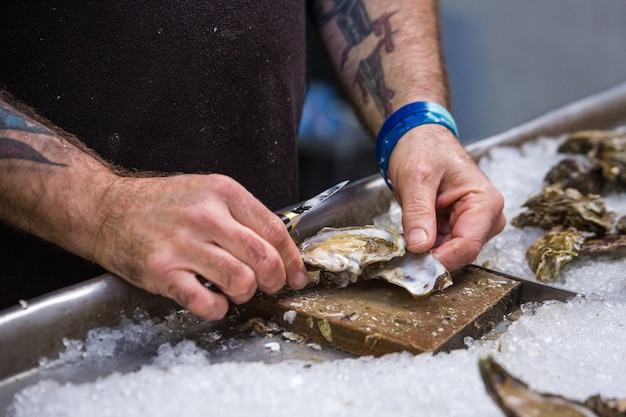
<point x="403" y="120"/>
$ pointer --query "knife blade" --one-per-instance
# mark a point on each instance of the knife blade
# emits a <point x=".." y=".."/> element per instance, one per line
<point x="532" y="291"/>
<point x="293" y="216"/>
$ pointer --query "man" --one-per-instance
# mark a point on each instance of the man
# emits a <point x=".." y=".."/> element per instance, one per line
<point x="212" y="90"/>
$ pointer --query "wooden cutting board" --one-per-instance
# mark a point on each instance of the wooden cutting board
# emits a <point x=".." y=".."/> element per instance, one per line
<point x="375" y="317"/>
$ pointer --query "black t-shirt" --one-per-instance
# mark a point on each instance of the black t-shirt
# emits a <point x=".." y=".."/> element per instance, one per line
<point x="171" y="86"/>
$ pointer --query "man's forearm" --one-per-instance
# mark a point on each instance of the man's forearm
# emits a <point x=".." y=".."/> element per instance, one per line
<point x="49" y="186"/>
<point x="390" y="53"/>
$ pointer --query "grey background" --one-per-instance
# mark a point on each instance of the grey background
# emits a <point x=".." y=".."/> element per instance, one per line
<point x="510" y="61"/>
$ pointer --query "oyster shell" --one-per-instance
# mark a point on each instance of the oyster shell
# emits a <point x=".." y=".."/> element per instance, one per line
<point x="419" y="273"/>
<point x="587" y="142"/>
<point x="567" y="208"/>
<point x="606" y="243"/>
<point x="516" y="399"/>
<point x="573" y="173"/>
<point x="607" y="151"/>
<point x="343" y="255"/>
<point x="549" y="254"/>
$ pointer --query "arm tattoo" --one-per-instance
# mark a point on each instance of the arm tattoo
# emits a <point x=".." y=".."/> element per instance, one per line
<point x="11" y="120"/>
<point x="14" y="149"/>
<point x="355" y="25"/>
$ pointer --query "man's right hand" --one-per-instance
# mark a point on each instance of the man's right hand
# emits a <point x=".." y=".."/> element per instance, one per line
<point x="161" y="233"/>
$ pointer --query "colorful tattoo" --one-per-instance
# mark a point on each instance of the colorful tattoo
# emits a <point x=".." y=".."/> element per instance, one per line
<point x="14" y="149"/>
<point x="10" y="120"/>
<point x="356" y="26"/>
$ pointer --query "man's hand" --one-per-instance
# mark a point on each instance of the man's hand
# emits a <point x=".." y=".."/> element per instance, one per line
<point x="448" y="205"/>
<point x="162" y="233"/>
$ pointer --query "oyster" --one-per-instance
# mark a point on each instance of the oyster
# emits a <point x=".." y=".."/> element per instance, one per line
<point x="343" y="255"/>
<point x="574" y="173"/>
<point x="567" y="208"/>
<point x="516" y="399"/>
<point x="620" y="226"/>
<point x="587" y="142"/>
<point x="549" y="254"/>
<point x="606" y="243"/>
<point x="607" y="152"/>
<point x="609" y="242"/>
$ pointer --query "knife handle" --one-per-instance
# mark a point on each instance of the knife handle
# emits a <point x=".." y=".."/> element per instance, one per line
<point x="288" y="218"/>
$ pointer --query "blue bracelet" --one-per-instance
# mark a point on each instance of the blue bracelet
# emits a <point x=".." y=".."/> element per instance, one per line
<point x="403" y="120"/>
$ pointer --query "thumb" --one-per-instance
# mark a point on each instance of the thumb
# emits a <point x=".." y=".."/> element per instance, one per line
<point x="419" y="219"/>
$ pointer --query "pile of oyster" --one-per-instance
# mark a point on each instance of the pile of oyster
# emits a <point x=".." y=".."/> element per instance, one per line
<point x="570" y="206"/>
<point x="344" y="255"/>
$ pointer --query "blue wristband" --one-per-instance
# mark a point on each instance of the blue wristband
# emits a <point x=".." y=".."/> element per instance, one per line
<point x="403" y="120"/>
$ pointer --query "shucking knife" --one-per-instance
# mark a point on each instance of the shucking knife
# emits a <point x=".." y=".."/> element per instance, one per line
<point x="292" y="217"/>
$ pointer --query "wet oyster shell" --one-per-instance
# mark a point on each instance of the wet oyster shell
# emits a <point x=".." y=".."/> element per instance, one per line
<point x="549" y="254"/>
<point x="418" y="273"/>
<point x="343" y="255"/>
<point x="346" y="252"/>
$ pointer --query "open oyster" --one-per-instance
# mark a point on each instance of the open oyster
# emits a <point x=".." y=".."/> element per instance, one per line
<point x="343" y="255"/>
<point x="516" y="399"/>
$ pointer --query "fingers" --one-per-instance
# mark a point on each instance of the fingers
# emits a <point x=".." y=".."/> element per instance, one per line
<point x="171" y="229"/>
<point x="239" y="261"/>
<point x="186" y="290"/>
<point x="259" y="239"/>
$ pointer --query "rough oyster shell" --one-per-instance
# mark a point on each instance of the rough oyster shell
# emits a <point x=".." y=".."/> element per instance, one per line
<point x="549" y="254"/>
<point x="566" y="208"/>
<point x="342" y="255"/>
<point x="573" y="173"/>
<point x="607" y="152"/>
<point x="516" y="399"/>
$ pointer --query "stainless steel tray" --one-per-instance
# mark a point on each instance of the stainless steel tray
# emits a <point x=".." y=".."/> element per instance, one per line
<point x="38" y="328"/>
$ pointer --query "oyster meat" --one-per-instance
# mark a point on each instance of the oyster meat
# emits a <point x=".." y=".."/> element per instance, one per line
<point x="343" y="255"/>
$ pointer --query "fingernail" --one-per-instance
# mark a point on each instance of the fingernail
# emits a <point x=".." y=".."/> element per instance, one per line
<point x="300" y="280"/>
<point x="416" y="237"/>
